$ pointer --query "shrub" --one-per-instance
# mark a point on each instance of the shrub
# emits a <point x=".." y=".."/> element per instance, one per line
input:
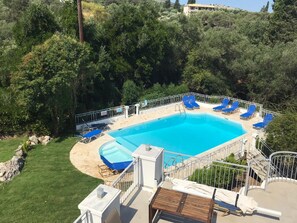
<point x="218" y="174"/>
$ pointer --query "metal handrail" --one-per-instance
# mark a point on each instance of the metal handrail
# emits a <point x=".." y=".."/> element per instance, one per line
<point x="83" y="218"/>
<point x="112" y="112"/>
<point x="262" y="142"/>
<point x="280" y="175"/>
<point x="123" y="173"/>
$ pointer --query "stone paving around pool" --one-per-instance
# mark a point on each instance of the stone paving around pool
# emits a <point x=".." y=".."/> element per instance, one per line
<point x="85" y="157"/>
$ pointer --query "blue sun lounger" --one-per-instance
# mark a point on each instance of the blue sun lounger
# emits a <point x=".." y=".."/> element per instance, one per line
<point x="224" y="104"/>
<point x="250" y="112"/>
<point x="193" y="102"/>
<point x="232" y="109"/>
<point x="88" y="137"/>
<point x="186" y="102"/>
<point x="267" y="119"/>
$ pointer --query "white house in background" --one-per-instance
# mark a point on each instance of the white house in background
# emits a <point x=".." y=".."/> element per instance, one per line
<point x="190" y="8"/>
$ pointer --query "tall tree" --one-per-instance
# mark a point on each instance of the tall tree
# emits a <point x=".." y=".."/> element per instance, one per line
<point x="167" y="4"/>
<point x="265" y="8"/>
<point x="135" y="40"/>
<point x="15" y="8"/>
<point x="191" y="1"/>
<point x="80" y="21"/>
<point x="67" y="18"/>
<point x="176" y="5"/>
<point x="49" y="80"/>
<point x="34" y="27"/>
<point x="283" y="23"/>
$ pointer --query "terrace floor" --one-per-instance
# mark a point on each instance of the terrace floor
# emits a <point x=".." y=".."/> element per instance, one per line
<point x="279" y="196"/>
<point x="86" y="159"/>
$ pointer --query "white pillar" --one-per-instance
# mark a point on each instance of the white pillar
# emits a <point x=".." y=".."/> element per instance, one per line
<point x="126" y="111"/>
<point x="150" y="166"/>
<point x="254" y="141"/>
<point x="101" y="204"/>
<point x="137" y="108"/>
<point x="243" y="146"/>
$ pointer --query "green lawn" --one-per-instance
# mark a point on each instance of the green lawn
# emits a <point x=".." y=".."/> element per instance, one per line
<point x="48" y="189"/>
<point x="7" y="147"/>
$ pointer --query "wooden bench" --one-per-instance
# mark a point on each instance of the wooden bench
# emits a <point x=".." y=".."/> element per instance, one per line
<point x="181" y="204"/>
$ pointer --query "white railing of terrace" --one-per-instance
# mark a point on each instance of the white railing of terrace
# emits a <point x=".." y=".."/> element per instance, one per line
<point x="217" y="174"/>
<point x="175" y="163"/>
<point x="93" y="116"/>
<point x="283" y="167"/>
<point x="209" y="168"/>
<point x="127" y="181"/>
<point x="85" y="217"/>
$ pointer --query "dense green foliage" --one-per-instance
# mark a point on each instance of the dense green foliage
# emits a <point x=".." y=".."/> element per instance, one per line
<point x="236" y="53"/>
<point x="34" y="27"/>
<point x="282" y="133"/>
<point x="49" y="187"/>
<point x="49" y="80"/>
<point x="130" y="92"/>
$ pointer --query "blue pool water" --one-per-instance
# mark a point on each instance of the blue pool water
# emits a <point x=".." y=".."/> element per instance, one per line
<point x="183" y="133"/>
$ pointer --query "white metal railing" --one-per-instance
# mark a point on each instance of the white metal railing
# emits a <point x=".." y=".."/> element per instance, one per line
<point x="161" y="101"/>
<point x="181" y="166"/>
<point x="217" y="174"/>
<point x="93" y="116"/>
<point x="283" y="167"/>
<point x="266" y="111"/>
<point x="85" y="217"/>
<point x="127" y="181"/>
<point x="263" y="148"/>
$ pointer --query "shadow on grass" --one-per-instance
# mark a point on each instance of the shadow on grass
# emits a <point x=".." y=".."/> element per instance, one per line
<point x="62" y="138"/>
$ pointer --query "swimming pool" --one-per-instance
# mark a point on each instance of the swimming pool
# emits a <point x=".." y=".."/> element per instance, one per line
<point x="189" y="134"/>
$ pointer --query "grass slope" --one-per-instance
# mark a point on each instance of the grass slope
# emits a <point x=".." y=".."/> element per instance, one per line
<point x="8" y="146"/>
<point x="48" y="189"/>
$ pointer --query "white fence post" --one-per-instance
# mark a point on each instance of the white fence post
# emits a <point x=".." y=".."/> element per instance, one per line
<point x="126" y="111"/>
<point x="137" y="108"/>
<point x="254" y="141"/>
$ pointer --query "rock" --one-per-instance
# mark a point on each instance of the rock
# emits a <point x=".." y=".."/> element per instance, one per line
<point x="11" y="168"/>
<point x="33" y="140"/>
<point x="2" y="169"/>
<point x="19" y="152"/>
<point x="44" y="140"/>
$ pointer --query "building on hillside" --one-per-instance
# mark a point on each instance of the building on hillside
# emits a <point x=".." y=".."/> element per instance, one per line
<point x="192" y="8"/>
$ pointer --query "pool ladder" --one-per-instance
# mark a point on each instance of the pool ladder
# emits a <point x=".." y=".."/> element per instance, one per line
<point x="179" y="107"/>
<point x="174" y="161"/>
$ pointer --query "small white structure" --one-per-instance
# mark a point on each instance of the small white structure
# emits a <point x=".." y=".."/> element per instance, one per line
<point x="126" y="111"/>
<point x="137" y="108"/>
<point x="191" y="8"/>
<point x="100" y="202"/>
<point x="150" y="166"/>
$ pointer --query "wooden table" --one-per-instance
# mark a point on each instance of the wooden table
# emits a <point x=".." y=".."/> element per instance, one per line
<point x="181" y="204"/>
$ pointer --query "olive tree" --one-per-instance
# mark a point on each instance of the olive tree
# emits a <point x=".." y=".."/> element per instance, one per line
<point x="49" y="80"/>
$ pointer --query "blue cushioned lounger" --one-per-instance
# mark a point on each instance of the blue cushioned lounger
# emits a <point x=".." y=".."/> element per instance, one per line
<point x="193" y="102"/>
<point x="224" y="104"/>
<point x="250" y="112"/>
<point x="186" y="102"/>
<point x="267" y="119"/>
<point x="91" y="135"/>
<point x="232" y="109"/>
